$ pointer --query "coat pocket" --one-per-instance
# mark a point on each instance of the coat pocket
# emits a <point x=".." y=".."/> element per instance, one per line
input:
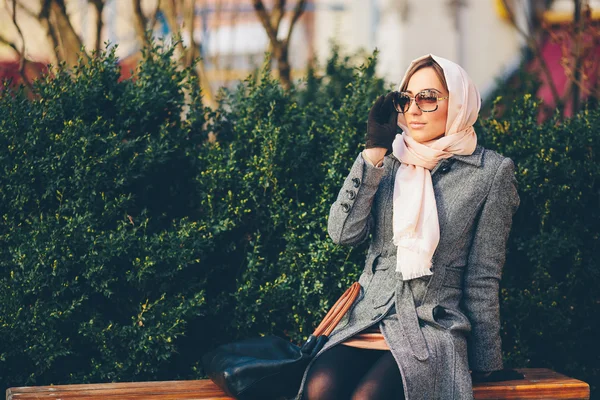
<point x="383" y="263"/>
<point x="383" y="301"/>
<point x="451" y="319"/>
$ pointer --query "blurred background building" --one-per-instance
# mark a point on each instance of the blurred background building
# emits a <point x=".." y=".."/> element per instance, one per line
<point x="483" y="36"/>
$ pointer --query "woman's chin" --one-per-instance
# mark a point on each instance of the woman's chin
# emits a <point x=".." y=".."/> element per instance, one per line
<point x="424" y="137"/>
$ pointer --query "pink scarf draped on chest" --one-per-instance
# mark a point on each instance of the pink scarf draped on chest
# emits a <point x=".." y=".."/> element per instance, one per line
<point x="415" y="217"/>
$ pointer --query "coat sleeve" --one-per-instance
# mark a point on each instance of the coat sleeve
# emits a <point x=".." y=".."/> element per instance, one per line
<point x="350" y="215"/>
<point x="484" y="270"/>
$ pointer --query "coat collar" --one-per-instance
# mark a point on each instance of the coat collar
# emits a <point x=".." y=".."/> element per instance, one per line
<point x="473" y="159"/>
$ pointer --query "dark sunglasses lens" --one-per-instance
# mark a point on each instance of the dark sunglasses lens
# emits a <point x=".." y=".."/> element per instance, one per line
<point x="427" y="101"/>
<point x="402" y="102"/>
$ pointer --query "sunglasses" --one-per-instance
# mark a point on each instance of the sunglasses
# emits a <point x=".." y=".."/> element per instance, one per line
<point x="427" y="101"/>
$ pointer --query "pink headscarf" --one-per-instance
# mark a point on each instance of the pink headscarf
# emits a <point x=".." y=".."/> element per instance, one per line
<point x="415" y="218"/>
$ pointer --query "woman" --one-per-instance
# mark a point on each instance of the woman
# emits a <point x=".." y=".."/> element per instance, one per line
<point x="439" y="209"/>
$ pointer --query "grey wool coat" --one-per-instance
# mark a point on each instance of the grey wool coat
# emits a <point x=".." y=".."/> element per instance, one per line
<point x="438" y="327"/>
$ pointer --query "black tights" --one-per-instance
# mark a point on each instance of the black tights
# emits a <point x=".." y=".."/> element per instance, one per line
<point x="344" y="372"/>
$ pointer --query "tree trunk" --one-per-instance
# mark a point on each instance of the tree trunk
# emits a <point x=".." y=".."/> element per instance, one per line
<point x="99" y="7"/>
<point x="140" y="23"/>
<point x="70" y="43"/>
<point x="577" y="64"/>
<point x="187" y="56"/>
<point x="536" y="48"/>
<point x="280" y="47"/>
<point x="283" y="65"/>
<point x="51" y="35"/>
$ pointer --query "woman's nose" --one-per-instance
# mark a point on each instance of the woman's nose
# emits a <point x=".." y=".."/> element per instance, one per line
<point x="413" y="108"/>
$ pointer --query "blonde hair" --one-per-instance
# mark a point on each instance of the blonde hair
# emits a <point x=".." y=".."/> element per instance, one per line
<point x="428" y="62"/>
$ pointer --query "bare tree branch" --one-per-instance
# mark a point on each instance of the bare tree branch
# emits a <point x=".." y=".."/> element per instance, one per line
<point x="596" y="89"/>
<point x="271" y="23"/>
<point x="264" y="18"/>
<point x="194" y="54"/>
<point x="140" y="22"/>
<point x="21" y="52"/>
<point x="188" y="21"/>
<point x="51" y="35"/>
<point x="277" y="15"/>
<point x="12" y="45"/>
<point x="578" y="25"/>
<point x="66" y="44"/>
<point x="581" y="64"/>
<point x="99" y="6"/>
<point x="8" y="43"/>
<point x="65" y="41"/>
<point x="191" y="53"/>
<point x="27" y="11"/>
<point x="71" y="42"/>
<point x="152" y="22"/>
<point x="298" y="11"/>
<point x="59" y="38"/>
<point x="168" y="8"/>
<point x="536" y="49"/>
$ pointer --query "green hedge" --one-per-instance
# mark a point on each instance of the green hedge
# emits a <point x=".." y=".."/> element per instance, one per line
<point x="131" y="243"/>
<point x="99" y="263"/>
<point x="550" y="297"/>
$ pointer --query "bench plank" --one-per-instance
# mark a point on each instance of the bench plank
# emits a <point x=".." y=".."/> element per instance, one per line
<point x="167" y="390"/>
<point x="539" y="384"/>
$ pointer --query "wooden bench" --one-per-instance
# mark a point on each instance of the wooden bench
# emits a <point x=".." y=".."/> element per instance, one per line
<point x="539" y="383"/>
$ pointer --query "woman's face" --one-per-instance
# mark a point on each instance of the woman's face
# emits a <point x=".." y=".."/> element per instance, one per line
<point x="426" y="126"/>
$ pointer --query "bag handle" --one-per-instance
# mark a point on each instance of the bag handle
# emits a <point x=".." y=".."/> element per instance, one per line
<point x="337" y="312"/>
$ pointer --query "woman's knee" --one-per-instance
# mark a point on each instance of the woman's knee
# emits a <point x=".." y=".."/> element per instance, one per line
<point x="321" y="385"/>
<point x="334" y="374"/>
<point x="382" y="381"/>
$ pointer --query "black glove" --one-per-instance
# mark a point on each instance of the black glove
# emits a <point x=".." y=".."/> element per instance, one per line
<point x="496" y="376"/>
<point x="382" y="123"/>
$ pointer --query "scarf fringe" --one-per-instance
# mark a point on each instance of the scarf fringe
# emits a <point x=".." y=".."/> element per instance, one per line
<point x="413" y="264"/>
<point x="422" y="271"/>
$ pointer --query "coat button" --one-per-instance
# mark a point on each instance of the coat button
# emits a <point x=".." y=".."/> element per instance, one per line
<point x="351" y="194"/>
<point x="345" y="207"/>
<point x="356" y="182"/>
<point x="445" y="168"/>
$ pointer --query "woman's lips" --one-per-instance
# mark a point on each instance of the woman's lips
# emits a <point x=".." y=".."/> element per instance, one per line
<point x="416" y="125"/>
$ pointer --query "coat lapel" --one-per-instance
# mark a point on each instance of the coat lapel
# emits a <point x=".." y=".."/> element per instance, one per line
<point x="473" y="159"/>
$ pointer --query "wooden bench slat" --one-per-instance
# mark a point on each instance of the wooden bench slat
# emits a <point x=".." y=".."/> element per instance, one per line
<point x="115" y="396"/>
<point x="539" y="384"/>
<point x="166" y="390"/>
<point x="120" y="396"/>
<point x="203" y="384"/>
<point x="154" y="394"/>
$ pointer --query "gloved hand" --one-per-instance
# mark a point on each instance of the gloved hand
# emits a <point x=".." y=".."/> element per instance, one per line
<point x="496" y="376"/>
<point x="382" y="123"/>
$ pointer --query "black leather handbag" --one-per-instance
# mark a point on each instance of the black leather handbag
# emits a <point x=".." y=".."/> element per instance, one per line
<point x="271" y="367"/>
